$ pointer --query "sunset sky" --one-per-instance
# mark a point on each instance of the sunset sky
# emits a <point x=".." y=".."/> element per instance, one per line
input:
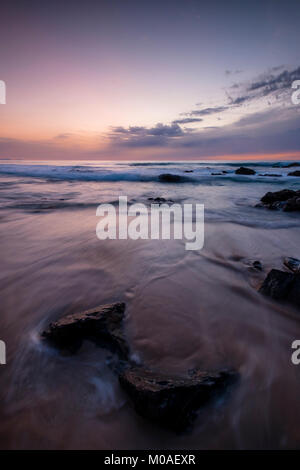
<point x="126" y="79"/>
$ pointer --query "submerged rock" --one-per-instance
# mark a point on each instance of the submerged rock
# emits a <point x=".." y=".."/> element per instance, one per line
<point x="287" y="199"/>
<point x="159" y="200"/>
<point x="293" y="264"/>
<point x="188" y="171"/>
<point x="103" y="325"/>
<point x="245" y="171"/>
<point x="281" y="285"/>
<point x="292" y="164"/>
<point x="257" y="265"/>
<point x="254" y="266"/>
<point x="294" y="173"/>
<point x="289" y="165"/>
<point x="168" y="178"/>
<point x="273" y="175"/>
<point x="169" y="401"/>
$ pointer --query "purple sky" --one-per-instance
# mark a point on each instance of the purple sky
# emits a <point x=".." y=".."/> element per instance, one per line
<point x="149" y="80"/>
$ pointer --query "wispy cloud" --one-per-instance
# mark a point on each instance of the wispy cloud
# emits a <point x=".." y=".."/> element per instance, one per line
<point x="187" y="121"/>
<point x="270" y="82"/>
<point x="233" y="72"/>
<point x="207" y="111"/>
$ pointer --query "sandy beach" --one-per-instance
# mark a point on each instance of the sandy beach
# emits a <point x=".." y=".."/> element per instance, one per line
<point x="184" y="309"/>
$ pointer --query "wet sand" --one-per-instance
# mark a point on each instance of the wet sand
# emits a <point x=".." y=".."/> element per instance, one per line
<point x="184" y="309"/>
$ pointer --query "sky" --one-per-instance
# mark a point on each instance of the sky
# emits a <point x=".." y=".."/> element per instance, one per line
<point x="149" y="80"/>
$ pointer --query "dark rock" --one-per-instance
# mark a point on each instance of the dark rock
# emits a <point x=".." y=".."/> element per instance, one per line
<point x="294" y="294"/>
<point x="277" y="284"/>
<point x="217" y="174"/>
<point x="292" y="164"/>
<point x="273" y="175"/>
<point x="159" y="200"/>
<point x="244" y="171"/>
<point x="168" y="178"/>
<point x="281" y="285"/>
<point x="294" y="173"/>
<point x="277" y="205"/>
<point x="224" y="171"/>
<point x="257" y="265"/>
<point x="292" y="205"/>
<point x="282" y="195"/>
<point x="289" y="165"/>
<point x="286" y="199"/>
<point x="103" y="325"/>
<point x="188" y="171"/>
<point x="172" y="402"/>
<point x="293" y="264"/>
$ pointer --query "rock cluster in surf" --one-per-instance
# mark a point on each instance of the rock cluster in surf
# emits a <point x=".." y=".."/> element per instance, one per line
<point x="170" y="178"/>
<point x="160" y="200"/>
<point x="287" y="200"/>
<point x="245" y="171"/>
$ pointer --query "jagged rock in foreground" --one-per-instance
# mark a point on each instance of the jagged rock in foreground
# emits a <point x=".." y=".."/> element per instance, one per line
<point x="103" y="325"/>
<point x="281" y="285"/>
<point x="172" y="402"/>
<point x="245" y="171"/>
<point x="169" y="401"/>
<point x="169" y="178"/>
<point x="286" y="199"/>
<point x="293" y="264"/>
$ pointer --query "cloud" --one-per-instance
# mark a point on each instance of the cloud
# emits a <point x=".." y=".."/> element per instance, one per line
<point x="207" y="111"/>
<point x="160" y="129"/>
<point x="63" y="136"/>
<point x="239" y="100"/>
<point x="187" y="120"/>
<point x="249" y="124"/>
<point x="270" y="83"/>
<point x="233" y="72"/>
<point x="173" y="130"/>
<point x="140" y="136"/>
